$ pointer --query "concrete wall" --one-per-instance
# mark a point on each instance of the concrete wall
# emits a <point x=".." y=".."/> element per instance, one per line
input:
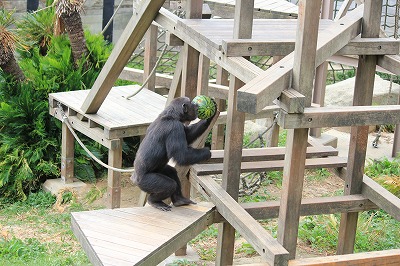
<point x="91" y="16"/>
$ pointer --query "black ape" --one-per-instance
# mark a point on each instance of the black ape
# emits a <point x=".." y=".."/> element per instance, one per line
<point x="168" y="137"/>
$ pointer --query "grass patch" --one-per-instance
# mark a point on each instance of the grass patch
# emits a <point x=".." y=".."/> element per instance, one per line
<point x="34" y="232"/>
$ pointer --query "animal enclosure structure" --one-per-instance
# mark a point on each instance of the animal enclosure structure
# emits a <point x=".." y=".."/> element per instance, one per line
<point x="134" y="236"/>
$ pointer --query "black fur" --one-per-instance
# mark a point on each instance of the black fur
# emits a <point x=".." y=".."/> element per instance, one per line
<point x="168" y="137"/>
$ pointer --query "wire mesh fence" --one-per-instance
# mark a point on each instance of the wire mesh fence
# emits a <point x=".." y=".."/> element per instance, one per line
<point x="336" y="71"/>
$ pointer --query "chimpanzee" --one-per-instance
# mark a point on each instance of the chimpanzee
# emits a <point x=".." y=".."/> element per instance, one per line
<point x="169" y="137"/>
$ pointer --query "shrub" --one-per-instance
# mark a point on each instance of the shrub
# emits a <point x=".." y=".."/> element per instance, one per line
<point x="30" y="138"/>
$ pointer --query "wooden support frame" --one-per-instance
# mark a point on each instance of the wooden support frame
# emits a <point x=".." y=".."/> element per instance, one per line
<point x="265" y="88"/>
<point x="233" y="213"/>
<point x="67" y="155"/>
<point x="341" y="116"/>
<point x="150" y="56"/>
<point x="293" y="172"/>
<point x="363" y="92"/>
<point x="121" y="53"/>
<point x="243" y="24"/>
<point x="114" y="177"/>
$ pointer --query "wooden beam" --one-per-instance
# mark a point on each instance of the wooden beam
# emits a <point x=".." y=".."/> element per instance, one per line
<point x="341" y="116"/>
<point x="357" y="46"/>
<point x="265" y="88"/>
<point x="291" y="101"/>
<point x="312" y="206"/>
<point x="150" y="56"/>
<point x="304" y="58"/>
<point x="363" y="92"/>
<point x="265" y="166"/>
<point x="243" y="27"/>
<point x="272" y="154"/>
<point x="127" y="43"/>
<point x="385" y="257"/>
<point x="377" y="194"/>
<point x="250" y="229"/>
<point x="390" y="63"/>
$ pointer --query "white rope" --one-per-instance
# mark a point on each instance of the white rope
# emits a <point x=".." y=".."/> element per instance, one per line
<point x="66" y="121"/>
<point x="151" y="73"/>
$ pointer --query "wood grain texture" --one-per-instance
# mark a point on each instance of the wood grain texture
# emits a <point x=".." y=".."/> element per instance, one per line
<point x="135" y="236"/>
<point x="250" y="229"/>
<point x="123" y="49"/>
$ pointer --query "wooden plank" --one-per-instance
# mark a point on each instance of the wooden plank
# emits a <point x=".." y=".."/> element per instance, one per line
<point x="264" y="166"/>
<point x="341" y="116"/>
<point x="312" y="206"/>
<point x="377" y="194"/>
<point x="385" y="257"/>
<point x="363" y="92"/>
<point x="265" y="88"/>
<point x="390" y="63"/>
<point x="272" y="154"/>
<point x="121" y="242"/>
<point x="357" y="46"/>
<point x="121" y="53"/>
<point x="252" y="231"/>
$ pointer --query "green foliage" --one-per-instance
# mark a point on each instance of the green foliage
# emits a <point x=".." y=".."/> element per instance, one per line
<point x="29" y="137"/>
<point x="26" y="250"/>
<point x="247" y="249"/>
<point x="36" y="29"/>
<point x="386" y="173"/>
<point x="376" y="231"/>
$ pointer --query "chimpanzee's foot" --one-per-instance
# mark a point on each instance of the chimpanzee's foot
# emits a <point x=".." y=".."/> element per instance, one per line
<point x="180" y="201"/>
<point x="160" y="205"/>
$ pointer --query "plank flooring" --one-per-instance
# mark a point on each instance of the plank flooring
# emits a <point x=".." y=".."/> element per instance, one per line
<point x="130" y="236"/>
<point x="116" y="113"/>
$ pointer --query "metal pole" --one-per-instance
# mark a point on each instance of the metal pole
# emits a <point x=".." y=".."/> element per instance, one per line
<point x="108" y="11"/>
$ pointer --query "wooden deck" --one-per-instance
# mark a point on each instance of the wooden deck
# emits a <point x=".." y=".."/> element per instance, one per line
<point x="117" y="116"/>
<point x="274" y="8"/>
<point x="138" y="236"/>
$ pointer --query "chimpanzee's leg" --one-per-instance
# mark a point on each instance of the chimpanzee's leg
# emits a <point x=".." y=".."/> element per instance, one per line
<point x="159" y="187"/>
<point x="177" y="198"/>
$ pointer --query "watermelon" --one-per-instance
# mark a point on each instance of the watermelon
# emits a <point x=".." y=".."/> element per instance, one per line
<point x="206" y="106"/>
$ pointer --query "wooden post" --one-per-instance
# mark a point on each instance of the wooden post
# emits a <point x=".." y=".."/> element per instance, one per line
<point x="243" y="26"/>
<point x="114" y="177"/>
<point x="190" y="71"/>
<point x="218" y="133"/>
<point x="150" y="56"/>
<point x="67" y="155"/>
<point x="322" y="70"/>
<point x="293" y="173"/>
<point x="204" y="75"/>
<point x="363" y="92"/>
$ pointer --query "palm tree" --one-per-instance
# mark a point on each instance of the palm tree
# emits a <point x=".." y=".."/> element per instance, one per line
<point x="37" y="29"/>
<point x="8" y="40"/>
<point x="68" y="12"/>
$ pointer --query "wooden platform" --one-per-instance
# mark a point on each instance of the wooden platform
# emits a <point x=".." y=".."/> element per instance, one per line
<point x="138" y="236"/>
<point x="274" y="8"/>
<point x="116" y="118"/>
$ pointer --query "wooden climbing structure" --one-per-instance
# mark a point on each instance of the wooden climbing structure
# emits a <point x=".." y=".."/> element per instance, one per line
<point x="115" y="236"/>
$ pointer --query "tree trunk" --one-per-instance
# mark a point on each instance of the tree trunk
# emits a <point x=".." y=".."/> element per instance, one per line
<point x="9" y="65"/>
<point x="73" y="25"/>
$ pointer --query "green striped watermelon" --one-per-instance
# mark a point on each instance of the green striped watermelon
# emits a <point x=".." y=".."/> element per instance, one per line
<point x="206" y="106"/>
